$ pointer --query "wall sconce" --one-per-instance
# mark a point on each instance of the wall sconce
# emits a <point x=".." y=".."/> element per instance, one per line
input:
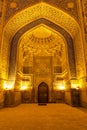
<point x="75" y="86"/>
<point x="61" y="87"/>
<point x="24" y="88"/>
<point x="25" y="85"/>
<point x="9" y="85"/>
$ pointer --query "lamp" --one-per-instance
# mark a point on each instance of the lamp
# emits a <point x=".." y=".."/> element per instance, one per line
<point x="8" y="85"/>
<point x="61" y="87"/>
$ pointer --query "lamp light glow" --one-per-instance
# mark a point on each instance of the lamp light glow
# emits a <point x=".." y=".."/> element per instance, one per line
<point x="75" y="86"/>
<point x="24" y="87"/>
<point x="8" y="86"/>
<point x="61" y="87"/>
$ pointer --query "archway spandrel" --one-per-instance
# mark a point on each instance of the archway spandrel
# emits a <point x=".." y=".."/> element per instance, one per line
<point x="42" y="10"/>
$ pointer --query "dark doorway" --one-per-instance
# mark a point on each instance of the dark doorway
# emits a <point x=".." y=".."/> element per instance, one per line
<point x="43" y="93"/>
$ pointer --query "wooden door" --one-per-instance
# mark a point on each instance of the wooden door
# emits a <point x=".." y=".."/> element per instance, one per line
<point x="43" y="93"/>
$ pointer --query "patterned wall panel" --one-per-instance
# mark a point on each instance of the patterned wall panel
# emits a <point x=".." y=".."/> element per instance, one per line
<point x="68" y="38"/>
<point x="0" y="10"/>
<point x="51" y="14"/>
<point x="57" y="69"/>
<point x="42" y="65"/>
<point x="1" y="5"/>
<point x="84" y="12"/>
<point x="69" y="6"/>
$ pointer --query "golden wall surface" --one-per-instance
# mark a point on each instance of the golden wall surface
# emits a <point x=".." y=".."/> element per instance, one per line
<point x="64" y="18"/>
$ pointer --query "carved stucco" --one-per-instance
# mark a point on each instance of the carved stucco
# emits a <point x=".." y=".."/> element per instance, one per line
<point x="40" y="52"/>
<point x="84" y="12"/>
<point x="79" y="51"/>
<point x="14" y="6"/>
<point x="1" y="5"/>
<point x="84" y="7"/>
<point x="41" y="10"/>
<point x="42" y="65"/>
<point x="58" y="29"/>
<point x="36" y="44"/>
<point x="0" y="22"/>
<point x="0" y="10"/>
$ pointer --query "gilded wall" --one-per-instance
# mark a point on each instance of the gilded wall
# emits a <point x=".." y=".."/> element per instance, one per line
<point x="84" y="12"/>
<point x="61" y="16"/>
<point x="1" y="6"/>
<point x="69" y="6"/>
<point x="52" y="14"/>
<point x="0" y="10"/>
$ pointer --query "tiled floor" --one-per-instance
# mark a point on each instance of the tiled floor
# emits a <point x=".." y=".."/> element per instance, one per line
<point x="43" y="117"/>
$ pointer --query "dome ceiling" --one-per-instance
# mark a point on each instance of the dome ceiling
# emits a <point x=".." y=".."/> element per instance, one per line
<point x="42" y="41"/>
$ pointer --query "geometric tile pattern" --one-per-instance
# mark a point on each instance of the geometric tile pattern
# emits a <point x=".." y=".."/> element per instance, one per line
<point x="14" y="6"/>
<point x="49" y="13"/>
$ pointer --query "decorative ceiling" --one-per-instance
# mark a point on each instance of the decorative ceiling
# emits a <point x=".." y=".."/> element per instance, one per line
<point x="42" y="41"/>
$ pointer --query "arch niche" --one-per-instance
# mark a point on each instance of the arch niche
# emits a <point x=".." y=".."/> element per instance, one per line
<point x="25" y="20"/>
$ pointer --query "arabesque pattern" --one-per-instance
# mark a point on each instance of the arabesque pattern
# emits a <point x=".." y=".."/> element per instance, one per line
<point x="26" y="16"/>
<point x="14" y="6"/>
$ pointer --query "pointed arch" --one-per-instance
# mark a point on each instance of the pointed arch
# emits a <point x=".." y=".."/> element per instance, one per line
<point x="45" y="14"/>
<point x="13" y="49"/>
